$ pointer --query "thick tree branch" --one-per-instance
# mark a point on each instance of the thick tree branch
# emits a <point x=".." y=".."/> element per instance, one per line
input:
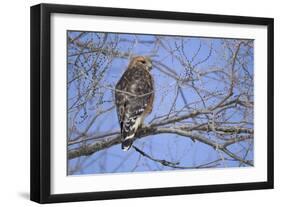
<point x="152" y="130"/>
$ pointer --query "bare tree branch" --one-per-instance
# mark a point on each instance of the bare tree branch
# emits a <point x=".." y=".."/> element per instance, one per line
<point x="204" y="93"/>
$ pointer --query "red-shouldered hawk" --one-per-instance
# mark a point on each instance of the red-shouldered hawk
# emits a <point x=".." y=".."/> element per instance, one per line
<point x="134" y="95"/>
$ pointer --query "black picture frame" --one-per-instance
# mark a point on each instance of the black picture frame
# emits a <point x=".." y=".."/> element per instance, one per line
<point x="41" y="98"/>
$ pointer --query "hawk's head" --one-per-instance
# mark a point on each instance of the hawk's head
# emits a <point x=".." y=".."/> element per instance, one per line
<point x="142" y="61"/>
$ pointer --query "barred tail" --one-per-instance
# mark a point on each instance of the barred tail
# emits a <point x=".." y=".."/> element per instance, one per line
<point x="128" y="133"/>
<point x="126" y="144"/>
<point x="129" y="129"/>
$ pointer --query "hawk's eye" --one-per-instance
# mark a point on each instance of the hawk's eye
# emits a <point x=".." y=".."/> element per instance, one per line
<point x="143" y="61"/>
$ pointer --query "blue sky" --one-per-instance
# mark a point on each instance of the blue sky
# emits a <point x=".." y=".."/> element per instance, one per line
<point x="204" y="54"/>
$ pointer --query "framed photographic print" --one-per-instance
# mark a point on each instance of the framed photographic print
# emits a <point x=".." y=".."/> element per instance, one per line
<point x="132" y="103"/>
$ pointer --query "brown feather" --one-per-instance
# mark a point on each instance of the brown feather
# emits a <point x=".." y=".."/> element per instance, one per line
<point x="134" y="96"/>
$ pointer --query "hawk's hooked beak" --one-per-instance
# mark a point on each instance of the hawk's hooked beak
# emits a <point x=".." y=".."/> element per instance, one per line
<point x="149" y="63"/>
